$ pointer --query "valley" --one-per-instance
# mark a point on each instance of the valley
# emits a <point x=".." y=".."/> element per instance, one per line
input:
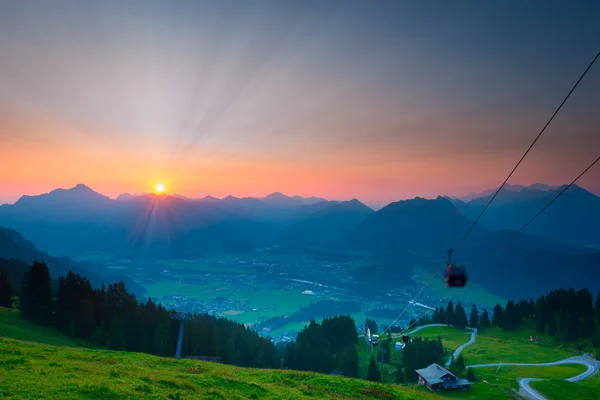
<point x="277" y="295"/>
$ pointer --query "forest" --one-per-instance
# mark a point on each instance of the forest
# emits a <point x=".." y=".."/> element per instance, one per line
<point x="114" y="318"/>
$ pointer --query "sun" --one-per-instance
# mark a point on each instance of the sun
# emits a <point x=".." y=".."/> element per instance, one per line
<point x="159" y="188"/>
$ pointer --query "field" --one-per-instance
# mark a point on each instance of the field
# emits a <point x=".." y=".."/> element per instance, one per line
<point x="588" y="389"/>
<point x="201" y="265"/>
<point x="41" y="371"/>
<point x="496" y="345"/>
<point x="200" y="292"/>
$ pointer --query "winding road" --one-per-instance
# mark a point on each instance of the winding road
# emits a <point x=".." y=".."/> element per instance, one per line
<point x="525" y="388"/>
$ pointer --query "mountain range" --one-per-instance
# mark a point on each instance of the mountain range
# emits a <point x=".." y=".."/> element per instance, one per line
<point x="399" y="236"/>
<point x="574" y="218"/>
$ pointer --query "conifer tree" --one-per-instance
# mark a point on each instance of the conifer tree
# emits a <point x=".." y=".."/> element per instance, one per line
<point x="474" y="317"/>
<point x="471" y="375"/>
<point x="36" y="294"/>
<point x="498" y="316"/>
<point x="450" y="316"/>
<point x="399" y="374"/>
<point x="460" y="317"/>
<point x="484" y="322"/>
<point x="510" y="316"/>
<point x="373" y="374"/>
<point x="5" y="289"/>
<point x="552" y="328"/>
<point x="540" y="320"/>
<point x="442" y="316"/>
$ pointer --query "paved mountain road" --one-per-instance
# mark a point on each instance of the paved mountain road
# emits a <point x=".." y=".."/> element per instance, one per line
<point x="525" y="388"/>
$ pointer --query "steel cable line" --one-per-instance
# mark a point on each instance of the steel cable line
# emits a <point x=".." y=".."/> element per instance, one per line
<point x="526" y="152"/>
<point x="506" y="180"/>
<point x="541" y="211"/>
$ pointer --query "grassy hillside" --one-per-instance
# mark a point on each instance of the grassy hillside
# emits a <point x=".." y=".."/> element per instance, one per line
<point x="588" y="389"/>
<point x="12" y="326"/>
<point x="30" y="370"/>
<point x="496" y="345"/>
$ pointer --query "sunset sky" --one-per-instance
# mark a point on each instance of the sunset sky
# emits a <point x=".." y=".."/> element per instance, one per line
<point x="378" y="100"/>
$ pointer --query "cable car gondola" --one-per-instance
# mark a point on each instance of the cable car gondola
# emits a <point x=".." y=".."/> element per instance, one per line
<point x="375" y="340"/>
<point x="456" y="275"/>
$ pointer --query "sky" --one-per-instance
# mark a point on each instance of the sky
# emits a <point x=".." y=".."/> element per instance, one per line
<point x="375" y="100"/>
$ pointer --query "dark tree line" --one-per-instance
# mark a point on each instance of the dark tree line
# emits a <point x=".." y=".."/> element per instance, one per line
<point x="453" y="316"/>
<point x="114" y="318"/>
<point x="568" y="315"/>
<point x="5" y="289"/>
<point x="330" y="345"/>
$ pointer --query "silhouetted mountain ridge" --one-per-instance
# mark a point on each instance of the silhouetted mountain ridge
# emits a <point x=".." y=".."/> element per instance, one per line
<point x="568" y="219"/>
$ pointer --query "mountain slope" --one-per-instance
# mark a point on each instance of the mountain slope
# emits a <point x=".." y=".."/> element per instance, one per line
<point x="13" y="246"/>
<point x="328" y="222"/>
<point x="42" y="371"/>
<point x="405" y="231"/>
<point x="412" y="225"/>
<point x="570" y="219"/>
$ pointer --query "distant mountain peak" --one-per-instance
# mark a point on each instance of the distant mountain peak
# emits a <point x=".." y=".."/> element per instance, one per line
<point x="276" y="195"/>
<point x="78" y="193"/>
<point x="211" y="198"/>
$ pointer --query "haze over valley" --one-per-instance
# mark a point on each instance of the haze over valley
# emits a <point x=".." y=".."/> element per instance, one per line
<point x="232" y="257"/>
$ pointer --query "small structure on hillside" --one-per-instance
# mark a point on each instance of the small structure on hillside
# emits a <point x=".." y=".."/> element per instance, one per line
<point x="436" y="377"/>
<point x="534" y="339"/>
<point x="336" y="373"/>
<point x="399" y="346"/>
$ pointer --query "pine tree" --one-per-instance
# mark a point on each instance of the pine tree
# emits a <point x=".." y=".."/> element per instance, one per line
<point x="459" y="365"/>
<point x="5" y="289"/>
<point x="442" y="316"/>
<point x="498" y="317"/>
<point x="116" y="336"/>
<point x="540" y="320"/>
<point x="474" y="317"/>
<point x="36" y="294"/>
<point x="399" y="374"/>
<point x="484" y="322"/>
<point x="552" y="328"/>
<point x="597" y="307"/>
<point x="471" y="375"/>
<point x="510" y="316"/>
<point x="100" y="335"/>
<point x="373" y="374"/>
<point x="460" y="317"/>
<point x="450" y="316"/>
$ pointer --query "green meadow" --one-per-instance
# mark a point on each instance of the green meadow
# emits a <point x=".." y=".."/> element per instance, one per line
<point x="588" y="389"/>
<point x="29" y="370"/>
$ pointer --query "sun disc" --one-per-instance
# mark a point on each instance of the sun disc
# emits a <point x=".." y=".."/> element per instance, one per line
<point x="160" y="188"/>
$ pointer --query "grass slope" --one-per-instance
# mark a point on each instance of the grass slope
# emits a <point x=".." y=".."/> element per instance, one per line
<point x="452" y="338"/>
<point x="588" y="389"/>
<point x="12" y="326"/>
<point x="29" y="370"/>
<point x="496" y="345"/>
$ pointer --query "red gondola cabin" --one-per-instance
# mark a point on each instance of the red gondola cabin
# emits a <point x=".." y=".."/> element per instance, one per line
<point x="456" y="276"/>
